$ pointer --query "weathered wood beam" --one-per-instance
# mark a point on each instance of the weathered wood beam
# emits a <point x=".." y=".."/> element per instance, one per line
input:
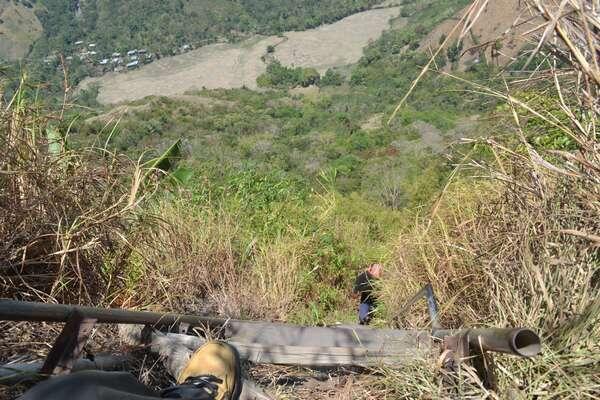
<point x="167" y="344"/>
<point x="68" y="345"/>
<point x="373" y="340"/>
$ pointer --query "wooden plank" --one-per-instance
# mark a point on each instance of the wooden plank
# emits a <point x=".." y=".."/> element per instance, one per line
<point x="68" y="345"/>
<point x="321" y="356"/>
<point x="374" y="340"/>
<point x="310" y="356"/>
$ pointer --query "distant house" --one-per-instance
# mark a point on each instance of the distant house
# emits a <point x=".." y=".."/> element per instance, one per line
<point x="69" y="58"/>
<point x="133" y="65"/>
<point x="79" y="43"/>
<point x="133" y="58"/>
<point x="93" y="53"/>
<point x="116" y="60"/>
<point x="92" y="45"/>
<point x="132" y="53"/>
<point x="116" y="55"/>
<point x="186" y="47"/>
<point x="104" y="61"/>
<point x="142" y="51"/>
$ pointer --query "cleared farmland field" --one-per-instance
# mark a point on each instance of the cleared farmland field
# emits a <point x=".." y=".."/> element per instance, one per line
<point x="238" y="65"/>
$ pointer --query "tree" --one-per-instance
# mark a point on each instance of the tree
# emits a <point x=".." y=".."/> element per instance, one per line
<point x="309" y="76"/>
<point x="454" y="51"/>
<point x="331" y="78"/>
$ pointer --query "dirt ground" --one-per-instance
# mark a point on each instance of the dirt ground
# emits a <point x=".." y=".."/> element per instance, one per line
<point x="238" y="65"/>
<point x="337" y="44"/>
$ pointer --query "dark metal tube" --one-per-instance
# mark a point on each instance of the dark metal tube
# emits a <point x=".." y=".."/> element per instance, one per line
<point x="12" y="310"/>
<point x="518" y="341"/>
<point x="521" y="342"/>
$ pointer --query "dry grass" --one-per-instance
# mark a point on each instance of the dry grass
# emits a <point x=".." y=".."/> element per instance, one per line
<point x="193" y="260"/>
<point x="521" y="247"/>
<point x="61" y="211"/>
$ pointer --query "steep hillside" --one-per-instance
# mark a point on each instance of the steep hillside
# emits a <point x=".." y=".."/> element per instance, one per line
<point x="19" y="28"/>
<point x="336" y="126"/>
<point x="265" y="205"/>
<point x="496" y="36"/>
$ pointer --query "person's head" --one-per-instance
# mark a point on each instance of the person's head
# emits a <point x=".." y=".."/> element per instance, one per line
<point x="375" y="270"/>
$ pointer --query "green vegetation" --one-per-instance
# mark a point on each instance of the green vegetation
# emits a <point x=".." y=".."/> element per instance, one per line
<point x="163" y="26"/>
<point x="279" y="76"/>
<point x="331" y="78"/>
<point x="318" y="180"/>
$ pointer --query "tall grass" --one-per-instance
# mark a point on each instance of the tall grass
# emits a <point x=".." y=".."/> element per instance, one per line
<point x="61" y="211"/>
<point x="211" y="256"/>
<point x="518" y="245"/>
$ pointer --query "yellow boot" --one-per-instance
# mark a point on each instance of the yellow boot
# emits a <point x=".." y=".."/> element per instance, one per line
<point x="215" y="370"/>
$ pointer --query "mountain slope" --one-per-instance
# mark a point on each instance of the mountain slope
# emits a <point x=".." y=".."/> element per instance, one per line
<point x="238" y="65"/>
<point x="162" y="26"/>
<point x="19" y="28"/>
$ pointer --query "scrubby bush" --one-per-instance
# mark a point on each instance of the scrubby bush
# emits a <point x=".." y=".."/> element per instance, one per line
<point x="331" y="78"/>
<point x="280" y="76"/>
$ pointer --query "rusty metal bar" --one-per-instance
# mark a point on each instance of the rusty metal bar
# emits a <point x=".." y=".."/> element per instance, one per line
<point x="520" y="342"/>
<point x="12" y="310"/>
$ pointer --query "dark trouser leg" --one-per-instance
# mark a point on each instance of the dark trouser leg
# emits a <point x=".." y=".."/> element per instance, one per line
<point x="91" y="385"/>
<point x="364" y="313"/>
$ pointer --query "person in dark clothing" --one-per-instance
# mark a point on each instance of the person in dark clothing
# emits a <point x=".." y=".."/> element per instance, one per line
<point x="364" y="287"/>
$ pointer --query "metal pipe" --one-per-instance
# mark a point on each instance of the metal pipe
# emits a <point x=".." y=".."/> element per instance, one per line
<point x="521" y="342"/>
<point x="518" y="341"/>
<point x="12" y="310"/>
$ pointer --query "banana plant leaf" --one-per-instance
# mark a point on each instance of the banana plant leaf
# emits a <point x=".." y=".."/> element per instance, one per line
<point x="55" y="142"/>
<point x="166" y="161"/>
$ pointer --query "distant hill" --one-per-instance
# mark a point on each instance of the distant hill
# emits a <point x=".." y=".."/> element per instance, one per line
<point x="163" y="26"/>
<point x="19" y="28"/>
